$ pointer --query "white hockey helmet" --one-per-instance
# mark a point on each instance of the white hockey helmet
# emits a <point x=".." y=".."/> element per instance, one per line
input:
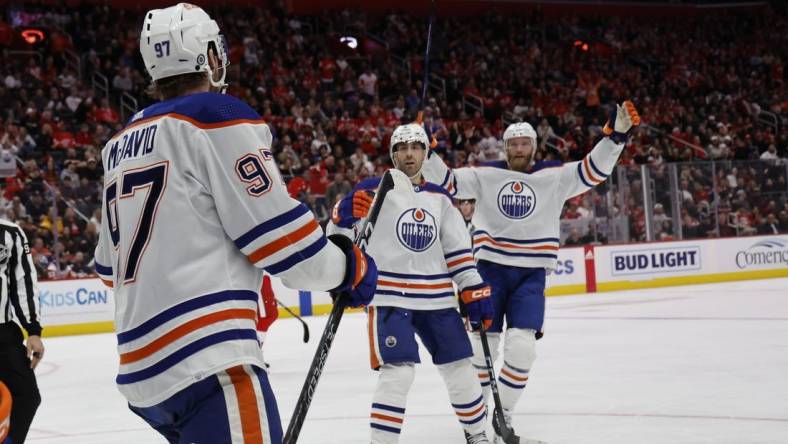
<point x="519" y="129"/>
<point x="411" y="132"/>
<point x="176" y="40"/>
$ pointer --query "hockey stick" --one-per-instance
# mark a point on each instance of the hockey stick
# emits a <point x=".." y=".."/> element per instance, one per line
<point x="426" y="68"/>
<point x="393" y="179"/>
<point x="499" y="424"/>
<point x="300" y="319"/>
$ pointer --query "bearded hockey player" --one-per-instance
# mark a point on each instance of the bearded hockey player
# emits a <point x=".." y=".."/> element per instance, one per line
<point x="421" y="249"/>
<point x="194" y="210"/>
<point x="516" y="236"/>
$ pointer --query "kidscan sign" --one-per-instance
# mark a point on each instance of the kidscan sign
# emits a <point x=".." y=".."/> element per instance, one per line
<point x="75" y="301"/>
<point x="78" y="296"/>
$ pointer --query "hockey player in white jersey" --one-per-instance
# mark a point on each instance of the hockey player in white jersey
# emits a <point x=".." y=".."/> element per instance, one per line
<point x="516" y="236"/>
<point x="422" y="249"/>
<point x="194" y="210"/>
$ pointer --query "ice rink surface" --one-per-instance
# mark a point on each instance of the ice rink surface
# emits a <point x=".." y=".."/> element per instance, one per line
<point x="694" y="364"/>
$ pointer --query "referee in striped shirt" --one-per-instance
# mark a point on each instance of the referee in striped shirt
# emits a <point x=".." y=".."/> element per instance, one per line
<point x="19" y="305"/>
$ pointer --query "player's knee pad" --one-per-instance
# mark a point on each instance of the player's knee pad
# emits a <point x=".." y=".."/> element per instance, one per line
<point x="399" y="376"/>
<point x="520" y="347"/>
<point x="493" y="340"/>
<point x="457" y="374"/>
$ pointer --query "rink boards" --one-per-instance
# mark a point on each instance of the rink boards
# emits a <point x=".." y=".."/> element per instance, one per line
<point x="86" y="306"/>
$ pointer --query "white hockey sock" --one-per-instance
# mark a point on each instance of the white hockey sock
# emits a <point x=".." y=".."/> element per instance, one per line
<point x="518" y="355"/>
<point x="465" y="394"/>
<point x="388" y="402"/>
<point x="479" y="363"/>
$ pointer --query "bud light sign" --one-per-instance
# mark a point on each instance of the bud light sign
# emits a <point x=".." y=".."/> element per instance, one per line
<point x="656" y="260"/>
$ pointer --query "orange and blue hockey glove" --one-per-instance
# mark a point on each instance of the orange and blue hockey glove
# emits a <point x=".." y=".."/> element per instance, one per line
<point x="354" y="206"/>
<point x="361" y="272"/>
<point x="622" y="120"/>
<point x="476" y="305"/>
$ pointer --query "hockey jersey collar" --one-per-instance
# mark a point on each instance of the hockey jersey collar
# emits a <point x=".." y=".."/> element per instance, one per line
<point x="205" y="108"/>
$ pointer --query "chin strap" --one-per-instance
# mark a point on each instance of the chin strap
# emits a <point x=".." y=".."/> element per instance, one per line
<point x="418" y="173"/>
<point x="219" y="86"/>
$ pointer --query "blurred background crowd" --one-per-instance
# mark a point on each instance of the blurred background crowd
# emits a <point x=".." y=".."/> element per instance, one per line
<point x="709" y="160"/>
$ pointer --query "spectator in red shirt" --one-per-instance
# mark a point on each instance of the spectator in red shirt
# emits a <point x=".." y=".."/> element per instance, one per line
<point x="61" y="137"/>
<point x="83" y="137"/>
<point x="297" y="186"/>
<point x="104" y="113"/>
<point x="327" y="70"/>
<point x="318" y="179"/>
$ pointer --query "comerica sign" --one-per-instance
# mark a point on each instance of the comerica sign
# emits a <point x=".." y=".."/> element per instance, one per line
<point x="765" y="252"/>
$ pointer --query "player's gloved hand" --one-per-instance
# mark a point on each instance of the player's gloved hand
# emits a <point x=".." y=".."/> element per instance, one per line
<point x="477" y="306"/>
<point x="622" y="120"/>
<point x="361" y="275"/>
<point x="352" y="207"/>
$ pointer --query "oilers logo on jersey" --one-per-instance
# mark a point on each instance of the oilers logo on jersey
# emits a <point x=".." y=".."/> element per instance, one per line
<point x="516" y="200"/>
<point x="416" y="229"/>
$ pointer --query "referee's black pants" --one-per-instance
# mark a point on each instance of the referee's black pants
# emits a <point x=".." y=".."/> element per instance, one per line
<point x="16" y="374"/>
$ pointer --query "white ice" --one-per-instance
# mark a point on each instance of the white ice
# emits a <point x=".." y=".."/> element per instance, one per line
<point x="694" y="364"/>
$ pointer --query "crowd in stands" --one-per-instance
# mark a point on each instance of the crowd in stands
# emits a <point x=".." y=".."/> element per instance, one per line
<point x="698" y="82"/>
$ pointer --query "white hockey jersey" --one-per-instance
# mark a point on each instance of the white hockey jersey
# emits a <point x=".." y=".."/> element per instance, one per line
<point x="420" y="248"/>
<point x="194" y="207"/>
<point x="517" y="214"/>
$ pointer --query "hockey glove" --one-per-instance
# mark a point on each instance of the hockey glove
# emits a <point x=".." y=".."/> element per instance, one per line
<point x="622" y="120"/>
<point x="352" y="207"/>
<point x="477" y="306"/>
<point x="361" y="275"/>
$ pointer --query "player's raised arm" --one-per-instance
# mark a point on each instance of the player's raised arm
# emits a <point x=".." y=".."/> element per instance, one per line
<point x="352" y="208"/>
<point x="579" y="177"/>
<point x="461" y="183"/>
<point x="274" y="231"/>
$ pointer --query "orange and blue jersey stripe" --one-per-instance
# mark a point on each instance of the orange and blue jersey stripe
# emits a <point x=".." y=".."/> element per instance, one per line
<point x="483" y="374"/>
<point x="472" y="412"/>
<point x="513" y="377"/>
<point x="459" y="261"/>
<point x="145" y="350"/>
<point x="417" y="286"/>
<point x="387" y="418"/>
<point x="589" y="174"/>
<point x="543" y="247"/>
<point x="105" y="274"/>
<point x="295" y="231"/>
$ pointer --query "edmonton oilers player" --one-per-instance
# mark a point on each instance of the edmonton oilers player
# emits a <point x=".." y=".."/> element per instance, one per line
<point x="421" y="249"/>
<point x="194" y="209"/>
<point x="517" y="232"/>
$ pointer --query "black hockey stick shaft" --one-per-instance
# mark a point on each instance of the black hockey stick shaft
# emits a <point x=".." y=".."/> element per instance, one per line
<point x="499" y="424"/>
<point x="332" y="324"/>
<point x="426" y="68"/>
<point x="315" y="370"/>
<point x="300" y="319"/>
